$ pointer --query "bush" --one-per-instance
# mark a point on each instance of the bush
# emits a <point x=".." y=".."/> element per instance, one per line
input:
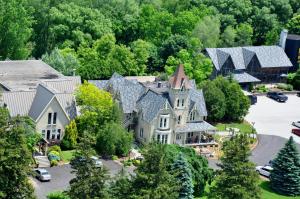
<point x="57" y="195"/>
<point x="261" y="89"/>
<point x="53" y="163"/>
<point x="286" y="87"/>
<point x="114" y="157"/>
<point x="136" y="162"/>
<point x="70" y="138"/>
<point x="54" y="148"/>
<point x="54" y="155"/>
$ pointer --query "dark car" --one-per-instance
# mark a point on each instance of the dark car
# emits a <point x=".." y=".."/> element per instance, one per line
<point x="252" y="98"/>
<point x="296" y="131"/>
<point x="279" y="97"/>
<point x="298" y="94"/>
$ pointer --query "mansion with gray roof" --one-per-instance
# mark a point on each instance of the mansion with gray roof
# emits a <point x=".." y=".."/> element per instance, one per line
<point x="171" y="112"/>
<point x="251" y="64"/>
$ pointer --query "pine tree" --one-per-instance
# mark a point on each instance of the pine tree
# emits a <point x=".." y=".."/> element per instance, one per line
<point x="70" y="138"/>
<point x="90" y="181"/>
<point x="238" y="178"/>
<point x="183" y="175"/>
<point x="285" y="178"/>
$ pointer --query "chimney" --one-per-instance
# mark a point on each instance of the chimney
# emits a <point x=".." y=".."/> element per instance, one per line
<point x="283" y="36"/>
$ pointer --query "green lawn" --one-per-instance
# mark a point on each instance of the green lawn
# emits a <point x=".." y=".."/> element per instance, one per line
<point x="67" y="155"/>
<point x="244" y="126"/>
<point x="267" y="192"/>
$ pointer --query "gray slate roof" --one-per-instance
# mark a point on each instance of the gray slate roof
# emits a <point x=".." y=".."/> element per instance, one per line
<point x="150" y="104"/>
<point x="197" y="101"/>
<point x="129" y="91"/>
<point x="268" y="56"/>
<point x="195" y="127"/>
<point x="244" y="77"/>
<point x="64" y="85"/>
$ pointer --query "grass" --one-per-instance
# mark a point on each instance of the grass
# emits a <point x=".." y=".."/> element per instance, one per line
<point x="244" y="126"/>
<point x="67" y="155"/>
<point x="267" y="192"/>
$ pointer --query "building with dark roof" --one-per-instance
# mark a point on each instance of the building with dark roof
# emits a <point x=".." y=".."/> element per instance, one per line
<point x="292" y="49"/>
<point x="250" y="64"/>
<point x="170" y="112"/>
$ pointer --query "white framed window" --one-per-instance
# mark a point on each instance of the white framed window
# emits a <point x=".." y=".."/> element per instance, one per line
<point x="162" y="138"/>
<point x="49" y="118"/>
<point x="179" y="119"/>
<point x="141" y="132"/>
<point x="182" y="102"/>
<point x="58" y="134"/>
<point x="178" y="137"/>
<point x="192" y="116"/>
<point x="53" y="134"/>
<point x="178" y="102"/>
<point x="164" y="121"/>
<point x="54" y="118"/>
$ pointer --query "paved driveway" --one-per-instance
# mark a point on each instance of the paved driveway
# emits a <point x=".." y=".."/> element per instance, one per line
<point x="273" y="118"/>
<point x="61" y="175"/>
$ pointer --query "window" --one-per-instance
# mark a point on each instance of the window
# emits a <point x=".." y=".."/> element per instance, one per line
<point x="49" y="118"/>
<point x="165" y="122"/>
<point x="177" y="102"/>
<point x="53" y="134"/>
<point x="161" y="122"/>
<point x="182" y="102"/>
<point x="141" y="132"/>
<point x="178" y="137"/>
<point x="48" y="134"/>
<point x="54" y="118"/>
<point x="192" y="116"/>
<point x="43" y="133"/>
<point x="164" y="139"/>
<point x="58" y="134"/>
<point x="179" y="119"/>
<point x="158" y="137"/>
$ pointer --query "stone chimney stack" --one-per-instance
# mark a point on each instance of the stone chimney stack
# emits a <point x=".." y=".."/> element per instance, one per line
<point x="283" y="36"/>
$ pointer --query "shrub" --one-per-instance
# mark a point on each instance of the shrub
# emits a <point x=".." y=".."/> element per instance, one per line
<point x="54" y="148"/>
<point x="136" y="162"/>
<point x="54" y="155"/>
<point x="57" y="195"/>
<point x="114" y="157"/>
<point x="53" y="163"/>
<point x="286" y="87"/>
<point x="70" y="138"/>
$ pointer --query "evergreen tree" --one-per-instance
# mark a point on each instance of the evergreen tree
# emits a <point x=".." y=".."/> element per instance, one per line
<point x="184" y="177"/>
<point x="285" y="178"/>
<point x="238" y="178"/>
<point x="152" y="177"/>
<point x="90" y="181"/>
<point x="15" y="159"/>
<point x="70" y="138"/>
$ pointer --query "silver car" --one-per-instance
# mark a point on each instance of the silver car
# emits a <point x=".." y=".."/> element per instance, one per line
<point x="264" y="170"/>
<point x="296" y="124"/>
<point x="43" y="175"/>
<point x="97" y="161"/>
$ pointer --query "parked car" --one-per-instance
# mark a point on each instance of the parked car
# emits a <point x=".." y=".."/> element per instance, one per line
<point x="279" y="97"/>
<point x="296" y="131"/>
<point x="42" y="175"/>
<point x="296" y="124"/>
<point x="97" y="161"/>
<point x="264" y="170"/>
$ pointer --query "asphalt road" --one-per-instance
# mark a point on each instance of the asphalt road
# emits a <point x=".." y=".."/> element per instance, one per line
<point x="61" y="175"/>
<point x="267" y="148"/>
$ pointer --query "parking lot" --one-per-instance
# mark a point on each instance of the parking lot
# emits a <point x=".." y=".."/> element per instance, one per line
<point x="273" y="118"/>
<point x="61" y="175"/>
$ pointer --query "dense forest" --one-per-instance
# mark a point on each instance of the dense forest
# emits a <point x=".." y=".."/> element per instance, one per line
<point x="94" y="38"/>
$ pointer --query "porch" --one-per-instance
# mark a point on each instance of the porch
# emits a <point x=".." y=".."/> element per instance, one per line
<point x="195" y="134"/>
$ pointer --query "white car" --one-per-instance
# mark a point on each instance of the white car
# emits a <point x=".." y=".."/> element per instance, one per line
<point x="43" y="175"/>
<point x="264" y="170"/>
<point x="97" y="161"/>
